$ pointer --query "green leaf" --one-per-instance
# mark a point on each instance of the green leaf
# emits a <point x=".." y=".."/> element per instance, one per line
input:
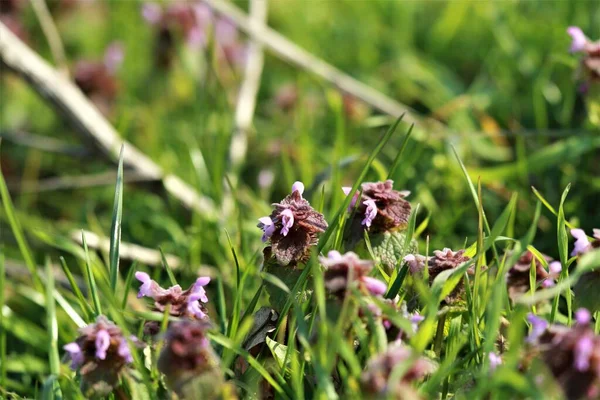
<point x="115" y="228"/>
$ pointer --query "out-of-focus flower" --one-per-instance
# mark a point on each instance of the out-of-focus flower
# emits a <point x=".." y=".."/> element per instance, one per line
<point x="346" y="190"/>
<point x="589" y="71"/>
<point x="375" y="379"/>
<point x="381" y="208"/>
<point x="579" y="39"/>
<point x="190" y="365"/>
<point x="495" y="360"/>
<point x="295" y="228"/>
<point x="343" y="270"/>
<point x="582" y="243"/>
<point x="538" y="326"/>
<point x="100" y="353"/>
<point x="572" y="355"/>
<point x="187" y="304"/>
<point x="583" y="316"/>
<point x="416" y="262"/>
<point x="114" y="56"/>
<point x="266" y="177"/>
<point x="517" y="278"/>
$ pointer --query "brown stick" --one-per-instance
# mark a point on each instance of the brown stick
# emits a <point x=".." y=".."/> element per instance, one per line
<point x="68" y="99"/>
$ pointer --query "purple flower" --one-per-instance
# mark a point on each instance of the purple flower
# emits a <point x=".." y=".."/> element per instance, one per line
<point x="578" y="39"/>
<point x="147" y="284"/>
<point x="416" y="262"/>
<point x="416" y="319"/>
<point x="555" y="268"/>
<point x="102" y="343"/>
<point x="266" y="224"/>
<point x="152" y="13"/>
<point x="113" y="56"/>
<point x="75" y="353"/>
<point x="583" y="316"/>
<point x="582" y="352"/>
<point x="298" y="187"/>
<point x="265" y="178"/>
<point x="582" y="244"/>
<point x="198" y="294"/>
<point x="495" y="360"/>
<point x="124" y="351"/>
<point x="287" y="220"/>
<point x="374" y="286"/>
<point x="346" y="190"/>
<point x="538" y="326"/>
<point x="370" y="213"/>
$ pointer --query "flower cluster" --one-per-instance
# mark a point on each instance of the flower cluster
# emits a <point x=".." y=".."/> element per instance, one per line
<point x="193" y="21"/>
<point x="379" y="208"/>
<point x="97" y="79"/>
<point x="187" y="357"/>
<point x="517" y="279"/>
<point x="590" y="63"/>
<point x="187" y="304"/>
<point x="343" y="270"/>
<point x="393" y="332"/>
<point x="291" y="229"/>
<point x="571" y="354"/>
<point x="375" y="379"/>
<point x="100" y="353"/>
<point x="442" y="260"/>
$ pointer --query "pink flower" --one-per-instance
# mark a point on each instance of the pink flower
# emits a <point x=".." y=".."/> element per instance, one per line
<point x="75" y="353"/>
<point x="583" y="352"/>
<point x="374" y="286"/>
<point x="370" y="213"/>
<point x="148" y="285"/>
<point x="102" y="343"/>
<point x="579" y="39"/>
<point x="299" y="187"/>
<point x="152" y="13"/>
<point x="287" y="220"/>
<point x="495" y="360"/>
<point x="538" y="326"/>
<point x="268" y="227"/>
<point x="582" y="244"/>
<point x="198" y="294"/>
<point x="583" y="316"/>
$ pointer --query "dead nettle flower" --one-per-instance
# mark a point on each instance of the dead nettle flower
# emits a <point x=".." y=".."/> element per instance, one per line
<point x="380" y="207"/>
<point x="292" y="228"/>
<point x="342" y="270"/>
<point x="517" y="278"/>
<point x="187" y="359"/>
<point x="590" y="63"/>
<point x="572" y="355"/>
<point x="441" y="261"/>
<point x="582" y="243"/>
<point x="193" y="21"/>
<point x="100" y="353"/>
<point x="97" y="79"/>
<point x="187" y="304"/>
<point x="393" y="332"/>
<point x="495" y="360"/>
<point x="375" y="378"/>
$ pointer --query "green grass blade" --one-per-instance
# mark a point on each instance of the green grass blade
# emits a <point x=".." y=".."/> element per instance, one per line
<point x="90" y="277"/>
<point x="115" y="228"/>
<point x="18" y="233"/>
<point x="52" y="326"/>
<point x="83" y="304"/>
<point x="165" y="264"/>
<point x="2" y="329"/>
<point x="396" y="161"/>
<point x="128" y="283"/>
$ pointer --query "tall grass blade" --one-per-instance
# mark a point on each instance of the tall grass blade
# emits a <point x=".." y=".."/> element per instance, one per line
<point x="115" y="228"/>
<point x="52" y="326"/>
<point x="90" y="278"/>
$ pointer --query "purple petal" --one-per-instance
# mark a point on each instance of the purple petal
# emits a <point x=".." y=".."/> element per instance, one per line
<point x="538" y="326"/>
<point x="102" y="343"/>
<point x="583" y="316"/>
<point x="114" y="56"/>
<point x="547" y="283"/>
<point x="581" y="244"/>
<point x="370" y="213"/>
<point x="298" y="186"/>
<point x="124" y="351"/>
<point x="578" y="39"/>
<point x="195" y="309"/>
<point x="596" y="233"/>
<point x="75" y="354"/>
<point x="266" y="178"/>
<point x="287" y="219"/>
<point x="374" y="286"/>
<point x="152" y="13"/>
<point x="146" y="288"/>
<point x="555" y="267"/>
<point x="198" y="292"/>
<point x="346" y="190"/>
<point x="495" y="360"/>
<point x="583" y="351"/>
